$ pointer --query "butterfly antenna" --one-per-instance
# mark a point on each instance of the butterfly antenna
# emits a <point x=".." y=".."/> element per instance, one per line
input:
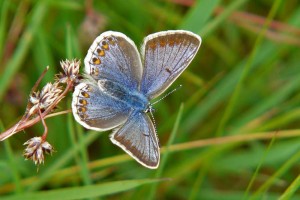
<point x="153" y="120"/>
<point x="167" y="94"/>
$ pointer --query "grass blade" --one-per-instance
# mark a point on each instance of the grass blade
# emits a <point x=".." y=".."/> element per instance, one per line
<point x="18" y="57"/>
<point x="97" y="190"/>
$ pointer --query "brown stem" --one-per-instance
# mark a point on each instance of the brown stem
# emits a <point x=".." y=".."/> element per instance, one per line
<point x="58" y="113"/>
<point x="27" y="115"/>
<point x="33" y="90"/>
<point x="39" y="80"/>
<point x="44" y="136"/>
<point x="18" y="127"/>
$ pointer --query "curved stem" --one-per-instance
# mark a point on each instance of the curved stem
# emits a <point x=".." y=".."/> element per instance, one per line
<point x="44" y="136"/>
<point x="21" y="126"/>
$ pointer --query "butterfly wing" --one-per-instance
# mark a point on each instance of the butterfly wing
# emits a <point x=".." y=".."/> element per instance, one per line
<point x="166" y="55"/>
<point x="138" y="138"/>
<point x="113" y="56"/>
<point x="97" y="110"/>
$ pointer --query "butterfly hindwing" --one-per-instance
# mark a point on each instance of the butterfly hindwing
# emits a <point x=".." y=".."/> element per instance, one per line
<point x="138" y="138"/>
<point x="96" y="110"/>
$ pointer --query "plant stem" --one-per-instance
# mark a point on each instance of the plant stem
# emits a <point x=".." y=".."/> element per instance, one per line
<point x="25" y="124"/>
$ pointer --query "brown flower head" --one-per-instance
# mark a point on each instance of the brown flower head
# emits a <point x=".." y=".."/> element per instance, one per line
<point x="42" y="100"/>
<point x="71" y="71"/>
<point x="35" y="150"/>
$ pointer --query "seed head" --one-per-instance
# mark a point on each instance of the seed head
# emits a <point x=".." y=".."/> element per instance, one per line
<point x="71" y="71"/>
<point x="42" y="100"/>
<point x="35" y="150"/>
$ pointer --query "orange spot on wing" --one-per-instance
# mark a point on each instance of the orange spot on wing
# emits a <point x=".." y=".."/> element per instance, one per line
<point x="82" y="109"/>
<point x="162" y="43"/>
<point x="104" y="45"/>
<point x="83" y="116"/>
<point x="96" y="61"/>
<point x="85" y="94"/>
<point x="152" y="45"/>
<point x="101" y="52"/>
<point x="111" y="41"/>
<point x="171" y="42"/>
<point x="82" y="101"/>
<point x="96" y="72"/>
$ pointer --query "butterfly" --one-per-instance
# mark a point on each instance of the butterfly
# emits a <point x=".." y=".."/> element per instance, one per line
<point x="120" y="82"/>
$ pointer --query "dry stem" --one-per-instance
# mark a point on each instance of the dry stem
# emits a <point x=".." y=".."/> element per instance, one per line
<point x="23" y="123"/>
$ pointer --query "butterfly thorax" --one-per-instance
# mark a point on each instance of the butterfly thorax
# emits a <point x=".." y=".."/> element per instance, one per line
<point x="131" y="97"/>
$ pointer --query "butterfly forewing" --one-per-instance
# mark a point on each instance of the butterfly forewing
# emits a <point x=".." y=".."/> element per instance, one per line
<point x="114" y="56"/>
<point x="165" y="56"/>
<point x="138" y="138"/>
<point x="96" y="110"/>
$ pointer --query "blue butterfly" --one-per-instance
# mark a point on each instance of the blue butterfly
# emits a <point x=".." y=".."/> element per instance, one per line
<point x="120" y="83"/>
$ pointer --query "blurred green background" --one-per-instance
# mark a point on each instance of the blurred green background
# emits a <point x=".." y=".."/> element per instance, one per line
<point x="242" y="86"/>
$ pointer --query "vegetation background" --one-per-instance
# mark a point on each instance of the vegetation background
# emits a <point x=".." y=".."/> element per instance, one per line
<point x="231" y="132"/>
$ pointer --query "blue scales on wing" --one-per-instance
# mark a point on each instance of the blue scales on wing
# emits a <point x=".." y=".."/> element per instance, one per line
<point x="138" y="138"/>
<point x="165" y="56"/>
<point x="113" y="56"/>
<point x="97" y="110"/>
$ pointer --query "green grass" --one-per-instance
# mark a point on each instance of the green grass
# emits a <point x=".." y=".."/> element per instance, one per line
<point x="237" y="136"/>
